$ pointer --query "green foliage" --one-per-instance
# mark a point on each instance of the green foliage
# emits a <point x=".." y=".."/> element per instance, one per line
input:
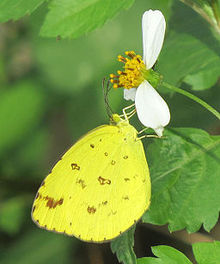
<point x="14" y="9"/>
<point x="30" y="155"/>
<point x="123" y="247"/>
<point x="166" y="255"/>
<point x="68" y="19"/>
<point x="60" y="98"/>
<point x="71" y="19"/>
<point x="203" y="79"/>
<point x="189" y="54"/>
<point x="21" y="107"/>
<point x="205" y="253"/>
<point x="38" y="247"/>
<point x="185" y="182"/>
<point x="12" y="214"/>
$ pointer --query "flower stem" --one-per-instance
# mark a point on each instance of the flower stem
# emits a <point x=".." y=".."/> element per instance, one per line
<point x="193" y="97"/>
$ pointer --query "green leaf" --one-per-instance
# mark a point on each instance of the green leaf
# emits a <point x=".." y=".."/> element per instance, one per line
<point x="185" y="180"/>
<point x="71" y="19"/>
<point x="123" y="247"/>
<point x="12" y="214"/>
<point x="203" y="79"/>
<point x="21" y="107"/>
<point x="14" y="9"/>
<point x="189" y="57"/>
<point x="166" y="255"/>
<point x="207" y="252"/>
<point x="189" y="53"/>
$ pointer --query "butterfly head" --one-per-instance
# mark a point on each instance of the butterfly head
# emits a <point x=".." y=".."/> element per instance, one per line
<point x="115" y="119"/>
<point x="129" y="132"/>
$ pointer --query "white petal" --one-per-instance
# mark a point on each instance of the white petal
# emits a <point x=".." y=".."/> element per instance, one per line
<point x="153" y="30"/>
<point x="129" y="94"/>
<point x="152" y="110"/>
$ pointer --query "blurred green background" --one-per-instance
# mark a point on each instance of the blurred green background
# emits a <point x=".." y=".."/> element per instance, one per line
<point x="50" y="95"/>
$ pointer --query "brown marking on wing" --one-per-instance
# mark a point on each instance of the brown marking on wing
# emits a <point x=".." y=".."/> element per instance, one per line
<point x="112" y="213"/>
<point x="82" y="183"/>
<point x="135" y="176"/>
<point x="125" y="157"/>
<point x="106" y="154"/>
<point x="103" y="181"/>
<point x="91" y="210"/>
<point x="103" y="203"/>
<point x="51" y="203"/>
<point x="75" y="166"/>
<point x="113" y="162"/>
<point x="92" y="145"/>
<point x="126" y="179"/>
<point x="125" y="197"/>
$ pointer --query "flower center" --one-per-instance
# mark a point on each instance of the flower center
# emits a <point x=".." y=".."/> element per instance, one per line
<point x="133" y="74"/>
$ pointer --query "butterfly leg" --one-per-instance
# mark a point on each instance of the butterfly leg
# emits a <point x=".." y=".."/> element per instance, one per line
<point x="141" y="131"/>
<point x="130" y="114"/>
<point x="149" y="136"/>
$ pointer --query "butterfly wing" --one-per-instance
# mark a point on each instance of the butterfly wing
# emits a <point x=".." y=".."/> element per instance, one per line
<point x="99" y="188"/>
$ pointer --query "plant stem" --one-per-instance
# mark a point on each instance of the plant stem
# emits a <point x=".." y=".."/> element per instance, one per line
<point x="216" y="11"/>
<point x="193" y="97"/>
<point x="203" y="14"/>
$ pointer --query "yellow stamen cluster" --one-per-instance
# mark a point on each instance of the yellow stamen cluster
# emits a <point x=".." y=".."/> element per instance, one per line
<point x="132" y="76"/>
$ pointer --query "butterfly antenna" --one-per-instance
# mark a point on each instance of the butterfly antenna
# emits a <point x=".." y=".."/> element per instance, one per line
<point x="106" y="86"/>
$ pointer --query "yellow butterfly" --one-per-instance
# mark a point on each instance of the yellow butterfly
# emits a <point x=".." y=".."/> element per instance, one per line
<point x="99" y="188"/>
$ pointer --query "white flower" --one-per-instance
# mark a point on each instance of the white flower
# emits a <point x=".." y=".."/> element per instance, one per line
<point x="152" y="110"/>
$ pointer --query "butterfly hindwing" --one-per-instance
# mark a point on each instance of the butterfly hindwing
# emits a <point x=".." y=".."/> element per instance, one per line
<point x="98" y="189"/>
